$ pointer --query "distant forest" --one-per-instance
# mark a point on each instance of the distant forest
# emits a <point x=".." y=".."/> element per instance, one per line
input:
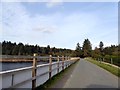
<point x="113" y="51"/>
<point x="9" y="48"/>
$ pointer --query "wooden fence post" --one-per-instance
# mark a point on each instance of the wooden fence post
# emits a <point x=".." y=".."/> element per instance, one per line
<point x="69" y="61"/>
<point x="103" y="59"/>
<point x="62" y="62"/>
<point x="50" y="66"/>
<point x="34" y="72"/>
<point x="66" y="61"/>
<point x="12" y="83"/>
<point x="69" y="58"/>
<point x="58" y="64"/>
<point x="111" y="61"/>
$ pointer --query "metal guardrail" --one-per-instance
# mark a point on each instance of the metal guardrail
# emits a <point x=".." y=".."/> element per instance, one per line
<point x="33" y="76"/>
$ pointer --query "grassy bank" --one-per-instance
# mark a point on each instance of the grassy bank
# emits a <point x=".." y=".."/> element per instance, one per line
<point x="54" y="79"/>
<point x="109" y="68"/>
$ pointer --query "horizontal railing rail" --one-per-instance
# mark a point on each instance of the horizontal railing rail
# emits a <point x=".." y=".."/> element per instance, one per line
<point x="109" y="61"/>
<point x="24" y="57"/>
<point x="33" y="76"/>
<point x="20" y="58"/>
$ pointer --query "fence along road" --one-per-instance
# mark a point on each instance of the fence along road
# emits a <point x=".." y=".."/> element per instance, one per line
<point x="31" y="77"/>
<point x="88" y="75"/>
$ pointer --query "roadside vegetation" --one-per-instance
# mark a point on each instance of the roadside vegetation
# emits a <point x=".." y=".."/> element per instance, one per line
<point x="110" y="54"/>
<point x="110" y="68"/>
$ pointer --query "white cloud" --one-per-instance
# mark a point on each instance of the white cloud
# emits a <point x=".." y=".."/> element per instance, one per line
<point x="60" y="0"/>
<point x="53" y="3"/>
<point x="0" y="20"/>
<point x="56" y="29"/>
<point x="45" y="29"/>
<point x="23" y="0"/>
<point x="16" y="20"/>
<point x="18" y="25"/>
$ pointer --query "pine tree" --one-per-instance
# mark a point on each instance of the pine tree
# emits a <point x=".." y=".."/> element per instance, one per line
<point x="101" y="47"/>
<point x="87" y="48"/>
<point x="78" y="50"/>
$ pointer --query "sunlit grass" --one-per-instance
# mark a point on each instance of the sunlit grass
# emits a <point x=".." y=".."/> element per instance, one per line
<point x="109" y="68"/>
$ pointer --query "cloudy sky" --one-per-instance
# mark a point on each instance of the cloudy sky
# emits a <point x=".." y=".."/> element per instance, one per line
<point x="60" y="24"/>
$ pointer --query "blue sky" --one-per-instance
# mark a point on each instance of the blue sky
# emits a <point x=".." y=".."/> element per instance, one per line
<point x="60" y="24"/>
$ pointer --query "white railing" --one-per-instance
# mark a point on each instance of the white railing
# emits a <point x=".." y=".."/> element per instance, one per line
<point x="33" y="76"/>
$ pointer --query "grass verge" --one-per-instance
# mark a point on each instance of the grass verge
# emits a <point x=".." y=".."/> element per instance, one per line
<point x="109" y="68"/>
<point x="54" y="79"/>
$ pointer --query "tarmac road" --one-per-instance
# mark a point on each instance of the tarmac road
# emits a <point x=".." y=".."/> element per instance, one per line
<point x="89" y="75"/>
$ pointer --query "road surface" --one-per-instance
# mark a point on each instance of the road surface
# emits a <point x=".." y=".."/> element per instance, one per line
<point x="87" y="75"/>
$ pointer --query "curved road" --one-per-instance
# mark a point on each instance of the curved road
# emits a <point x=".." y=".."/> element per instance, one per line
<point x="88" y="75"/>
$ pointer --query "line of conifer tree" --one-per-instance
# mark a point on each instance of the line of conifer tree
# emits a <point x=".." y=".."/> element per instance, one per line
<point x="101" y="52"/>
<point x="9" y="48"/>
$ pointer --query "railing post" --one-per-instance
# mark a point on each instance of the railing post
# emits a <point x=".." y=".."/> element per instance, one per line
<point x="69" y="61"/>
<point x="62" y="62"/>
<point x="58" y="64"/>
<point x="111" y="61"/>
<point x="69" y="57"/>
<point x="66" y="61"/>
<point x="100" y="60"/>
<point x="34" y="72"/>
<point x="103" y="59"/>
<point x="12" y="83"/>
<point x="50" y="66"/>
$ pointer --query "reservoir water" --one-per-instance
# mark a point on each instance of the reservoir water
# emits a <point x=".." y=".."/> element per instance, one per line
<point x="16" y="65"/>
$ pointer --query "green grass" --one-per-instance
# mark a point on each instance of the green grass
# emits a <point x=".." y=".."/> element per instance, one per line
<point x="54" y="79"/>
<point x="109" y="68"/>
